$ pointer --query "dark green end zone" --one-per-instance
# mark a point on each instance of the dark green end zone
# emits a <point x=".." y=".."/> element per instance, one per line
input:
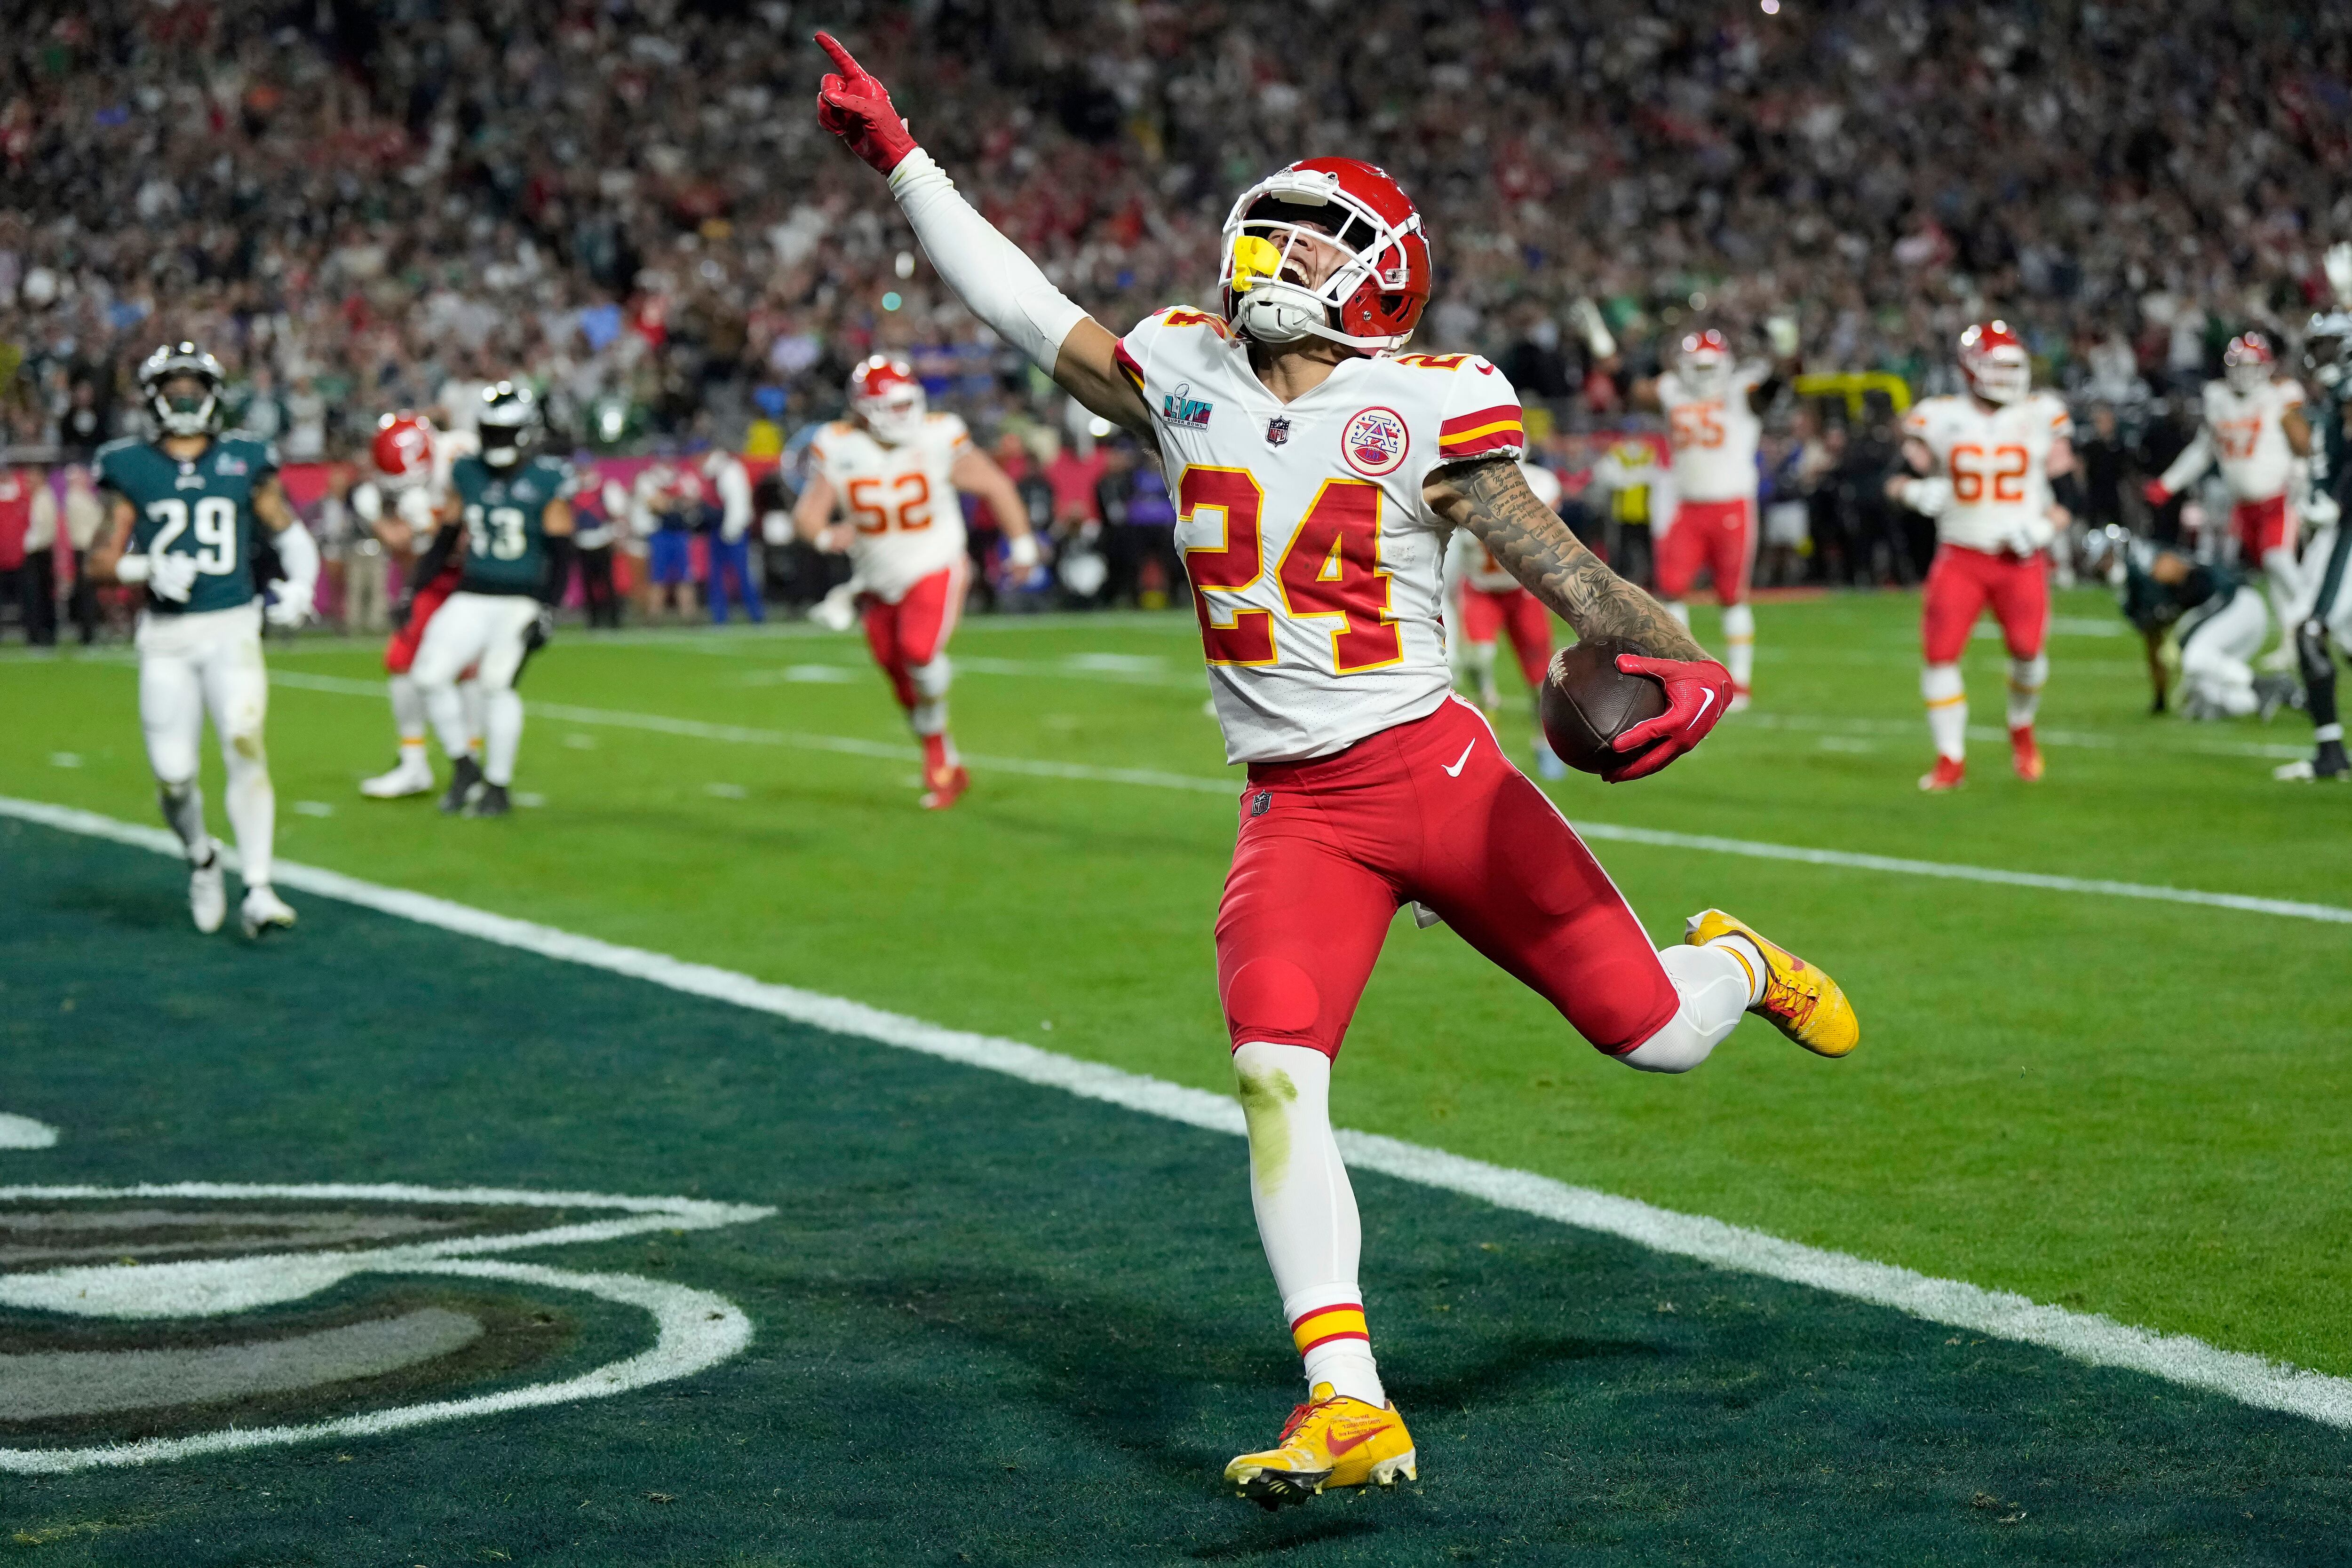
<point x="994" y="1324"/>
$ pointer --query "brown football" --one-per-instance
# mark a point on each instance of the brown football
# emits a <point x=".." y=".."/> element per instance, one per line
<point x="1588" y="702"/>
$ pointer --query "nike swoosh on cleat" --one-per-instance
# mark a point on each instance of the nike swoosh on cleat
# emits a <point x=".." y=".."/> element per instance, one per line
<point x="1338" y="1445"/>
<point x="1456" y="771"/>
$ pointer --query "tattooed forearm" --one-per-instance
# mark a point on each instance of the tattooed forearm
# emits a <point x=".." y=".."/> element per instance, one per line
<point x="1529" y="539"/>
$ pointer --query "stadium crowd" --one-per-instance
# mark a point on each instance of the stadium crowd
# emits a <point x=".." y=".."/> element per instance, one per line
<point x="364" y="207"/>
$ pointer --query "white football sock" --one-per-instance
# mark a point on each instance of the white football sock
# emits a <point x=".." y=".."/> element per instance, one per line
<point x="183" y="811"/>
<point x="2025" y="680"/>
<point x="408" y="717"/>
<point x="252" y="806"/>
<point x="1740" y="639"/>
<point x="1947" y="696"/>
<point x="470" y="701"/>
<point x="447" y="710"/>
<point x="1681" y="613"/>
<point x="1715" y="988"/>
<point x="501" y="736"/>
<point x="1307" y="1213"/>
<point x="2284" y="580"/>
<point x="1480" y="657"/>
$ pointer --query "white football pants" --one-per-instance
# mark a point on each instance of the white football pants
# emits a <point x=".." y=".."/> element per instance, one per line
<point x="209" y="663"/>
<point x="487" y="631"/>
<point x="2215" y="672"/>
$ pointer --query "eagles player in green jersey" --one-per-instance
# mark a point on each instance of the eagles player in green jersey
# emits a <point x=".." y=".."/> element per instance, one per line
<point x="186" y="512"/>
<point x="2323" y="617"/>
<point x="514" y="524"/>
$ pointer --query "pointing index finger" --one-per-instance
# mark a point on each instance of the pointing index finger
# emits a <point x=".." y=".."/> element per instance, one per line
<point x="841" y="56"/>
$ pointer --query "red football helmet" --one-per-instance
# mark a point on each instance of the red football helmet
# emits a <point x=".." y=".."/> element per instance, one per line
<point x="1994" y="361"/>
<point x="885" y="394"/>
<point x="1371" y="300"/>
<point x="1706" y="364"/>
<point x="2247" y="363"/>
<point x="403" y="449"/>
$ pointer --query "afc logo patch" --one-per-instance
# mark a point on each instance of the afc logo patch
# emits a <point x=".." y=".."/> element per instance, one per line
<point x="1277" y="431"/>
<point x="1375" y="442"/>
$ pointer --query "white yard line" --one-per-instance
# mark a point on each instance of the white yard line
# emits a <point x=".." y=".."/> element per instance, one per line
<point x="2101" y="1341"/>
<point x="1231" y="788"/>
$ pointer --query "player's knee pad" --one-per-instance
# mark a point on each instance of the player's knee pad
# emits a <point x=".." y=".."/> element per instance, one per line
<point x="1941" y="682"/>
<point x="1739" y="622"/>
<point x="932" y="680"/>
<point x="928" y="717"/>
<point x="2028" y="675"/>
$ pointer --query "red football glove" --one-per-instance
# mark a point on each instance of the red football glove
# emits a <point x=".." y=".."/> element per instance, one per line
<point x="858" y="109"/>
<point x="2155" y="492"/>
<point x="1697" y="691"/>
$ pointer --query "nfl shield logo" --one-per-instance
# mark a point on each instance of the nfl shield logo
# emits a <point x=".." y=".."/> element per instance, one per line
<point x="1277" y="431"/>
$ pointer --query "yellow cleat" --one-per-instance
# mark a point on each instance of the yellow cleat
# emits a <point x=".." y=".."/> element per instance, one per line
<point x="1804" y="1003"/>
<point x="1330" y="1441"/>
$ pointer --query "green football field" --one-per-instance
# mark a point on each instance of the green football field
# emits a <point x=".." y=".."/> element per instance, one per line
<point x="987" y="1320"/>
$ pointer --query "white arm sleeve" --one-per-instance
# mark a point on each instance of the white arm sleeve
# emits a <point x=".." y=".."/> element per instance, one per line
<point x="2194" y="459"/>
<point x="298" y="552"/>
<point x="989" y="273"/>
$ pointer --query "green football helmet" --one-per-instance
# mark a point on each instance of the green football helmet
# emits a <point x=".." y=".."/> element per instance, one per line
<point x="508" y="423"/>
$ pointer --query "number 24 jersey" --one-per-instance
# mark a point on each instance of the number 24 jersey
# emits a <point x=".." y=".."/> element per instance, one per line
<point x="1317" y="571"/>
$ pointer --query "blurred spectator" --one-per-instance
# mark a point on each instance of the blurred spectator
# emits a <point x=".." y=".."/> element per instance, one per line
<point x="85" y="519"/>
<point x="27" y="570"/>
<point x="2104" y="457"/>
<point x="1139" y="529"/>
<point x="595" y="537"/>
<point x="729" y="486"/>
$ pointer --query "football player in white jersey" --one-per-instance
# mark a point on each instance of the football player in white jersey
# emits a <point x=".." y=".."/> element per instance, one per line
<point x="398" y="506"/>
<point x="2255" y="429"/>
<point x="1987" y="468"/>
<point x="1318" y="475"/>
<point x="892" y="470"/>
<point x="1713" y="408"/>
<point x="1484" y="600"/>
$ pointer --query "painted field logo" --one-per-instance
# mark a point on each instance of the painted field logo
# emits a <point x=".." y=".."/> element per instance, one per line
<point x="140" y="1324"/>
<point x="1180" y="407"/>
<point x="1375" y="442"/>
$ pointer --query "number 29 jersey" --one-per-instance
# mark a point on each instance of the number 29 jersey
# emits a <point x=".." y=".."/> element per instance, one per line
<point x="1317" y="571"/>
<point x="1996" y="459"/>
<point x="201" y="508"/>
<point x="899" y="501"/>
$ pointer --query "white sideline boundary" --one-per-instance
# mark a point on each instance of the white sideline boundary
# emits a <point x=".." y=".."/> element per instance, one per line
<point x="1231" y="789"/>
<point x="2182" y="1359"/>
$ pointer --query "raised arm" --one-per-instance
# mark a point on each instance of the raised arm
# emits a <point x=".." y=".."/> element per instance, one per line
<point x="1491" y="498"/>
<point x="988" y="272"/>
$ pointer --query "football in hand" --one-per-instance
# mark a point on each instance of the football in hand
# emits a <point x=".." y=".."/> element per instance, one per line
<point x="1588" y="702"/>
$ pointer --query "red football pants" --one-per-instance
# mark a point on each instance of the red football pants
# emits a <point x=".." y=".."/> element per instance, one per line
<point x="1429" y="810"/>
<point x="915" y="630"/>
<point x="1720" y="534"/>
<point x="406" y="638"/>
<point x="1517" y="613"/>
<point x="2261" y="527"/>
<point x="1963" y="582"/>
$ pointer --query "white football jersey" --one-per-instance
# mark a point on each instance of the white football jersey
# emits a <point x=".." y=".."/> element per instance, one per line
<point x="1318" y="573"/>
<point x="2249" y="437"/>
<point x="1997" y="460"/>
<point x="1713" y="438"/>
<point x="1472" y="564"/>
<point x="898" y="501"/>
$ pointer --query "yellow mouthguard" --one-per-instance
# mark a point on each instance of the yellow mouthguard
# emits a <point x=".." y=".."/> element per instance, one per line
<point x="1253" y="258"/>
